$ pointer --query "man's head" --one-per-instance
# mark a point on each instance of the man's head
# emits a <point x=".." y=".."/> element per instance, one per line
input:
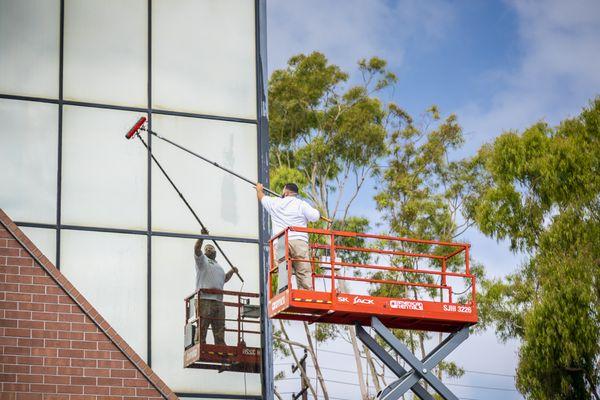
<point x="210" y="251"/>
<point x="290" y="189"/>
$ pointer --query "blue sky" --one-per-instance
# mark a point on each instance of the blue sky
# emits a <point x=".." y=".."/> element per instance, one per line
<point x="499" y="65"/>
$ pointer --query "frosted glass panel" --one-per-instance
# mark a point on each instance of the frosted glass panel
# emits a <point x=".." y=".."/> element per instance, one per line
<point x="28" y="160"/>
<point x="225" y="204"/>
<point x="106" y="57"/>
<point x="43" y="239"/>
<point x="103" y="174"/>
<point x="203" y="57"/>
<point x="29" y="47"/>
<point x="173" y="278"/>
<point x="110" y="271"/>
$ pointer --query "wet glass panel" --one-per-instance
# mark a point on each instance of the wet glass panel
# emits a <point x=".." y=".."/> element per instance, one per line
<point x="105" y="55"/>
<point x="173" y="278"/>
<point x="29" y="47"/>
<point x="104" y="175"/>
<point x="110" y="271"/>
<point x="224" y="203"/>
<point x="28" y="160"/>
<point x="203" y="57"/>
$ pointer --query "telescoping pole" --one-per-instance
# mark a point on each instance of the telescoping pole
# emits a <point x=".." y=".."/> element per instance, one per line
<point x="216" y="165"/>
<point x="135" y="131"/>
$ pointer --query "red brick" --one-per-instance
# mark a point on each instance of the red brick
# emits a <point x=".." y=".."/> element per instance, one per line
<point x="70" y="335"/>
<point x="146" y="392"/>
<point x="135" y="383"/>
<point x="81" y="380"/>
<point x="8" y="378"/>
<point x="36" y="271"/>
<point x="110" y="382"/>
<point x="72" y="353"/>
<point x="9" y="305"/>
<point x="95" y="336"/>
<point x="96" y="390"/>
<point x="122" y="391"/>
<point x="122" y="373"/>
<point x="44" y="316"/>
<point x="70" y="371"/>
<point x="63" y="309"/>
<point x="17" y="369"/>
<point x="43" y="370"/>
<point x="97" y="354"/>
<point x="18" y="297"/>
<point x="43" y="388"/>
<point x="83" y="327"/>
<point x="43" y="280"/>
<point x="10" y="269"/>
<point x="31" y="306"/>
<point x="7" y="323"/>
<point x="57" y="361"/>
<point x="20" y="261"/>
<point x="79" y="362"/>
<point x="110" y="364"/>
<point x="25" y="279"/>
<point x="61" y="344"/>
<point x="32" y="289"/>
<point x="31" y="324"/>
<point x="106" y="346"/>
<point x="84" y="345"/>
<point x="30" y="378"/>
<point x="30" y="360"/>
<point x="46" y="334"/>
<point x="71" y="318"/>
<point x="31" y="342"/>
<point x="55" y="290"/>
<point x="57" y="379"/>
<point x="58" y="326"/>
<point x="15" y="387"/>
<point x="4" y="251"/>
<point x="17" y="351"/>
<point x="97" y="372"/>
<point x="29" y="396"/>
<point x="17" y="332"/>
<point x="9" y="287"/>
<point x="45" y="353"/>
<point x="69" y="389"/>
<point x="12" y="314"/>
<point x="45" y="298"/>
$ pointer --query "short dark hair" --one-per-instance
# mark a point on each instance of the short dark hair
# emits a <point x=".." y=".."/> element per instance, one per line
<point x="292" y="187"/>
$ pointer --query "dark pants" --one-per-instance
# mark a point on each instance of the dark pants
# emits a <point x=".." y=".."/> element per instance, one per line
<point x="212" y="313"/>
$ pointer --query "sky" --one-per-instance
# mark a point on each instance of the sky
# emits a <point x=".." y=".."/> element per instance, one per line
<point x="498" y="65"/>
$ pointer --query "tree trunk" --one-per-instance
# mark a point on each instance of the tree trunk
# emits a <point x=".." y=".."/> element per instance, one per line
<point x="315" y="361"/>
<point x="303" y="374"/>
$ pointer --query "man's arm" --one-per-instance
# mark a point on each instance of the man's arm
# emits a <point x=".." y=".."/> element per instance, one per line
<point x="198" y="245"/>
<point x="230" y="273"/>
<point x="310" y="213"/>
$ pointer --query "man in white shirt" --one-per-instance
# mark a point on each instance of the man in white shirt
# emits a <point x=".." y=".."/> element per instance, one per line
<point x="210" y="275"/>
<point x="286" y="211"/>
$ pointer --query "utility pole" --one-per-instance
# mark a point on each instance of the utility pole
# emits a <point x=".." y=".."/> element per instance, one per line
<point x="304" y="388"/>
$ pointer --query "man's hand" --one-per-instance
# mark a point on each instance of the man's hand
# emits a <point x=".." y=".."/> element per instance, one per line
<point x="198" y="245"/>
<point x="204" y="231"/>
<point x="259" y="191"/>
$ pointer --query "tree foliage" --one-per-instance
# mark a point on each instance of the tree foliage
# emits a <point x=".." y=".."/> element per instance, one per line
<point x="542" y="193"/>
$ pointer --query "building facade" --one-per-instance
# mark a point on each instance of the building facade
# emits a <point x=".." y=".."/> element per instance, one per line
<point x="74" y="76"/>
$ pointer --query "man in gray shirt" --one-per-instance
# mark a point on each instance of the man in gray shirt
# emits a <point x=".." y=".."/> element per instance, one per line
<point x="210" y="275"/>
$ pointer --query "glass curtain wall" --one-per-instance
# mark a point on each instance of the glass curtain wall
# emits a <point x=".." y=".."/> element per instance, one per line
<point x="74" y="77"/>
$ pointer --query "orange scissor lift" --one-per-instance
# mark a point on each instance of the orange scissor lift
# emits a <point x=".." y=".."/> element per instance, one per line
<point x="422" y="275"/>
<point x="241" y="352"/>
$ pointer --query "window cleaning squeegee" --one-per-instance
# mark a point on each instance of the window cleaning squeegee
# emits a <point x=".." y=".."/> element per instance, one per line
<point x="134" y="131"/>
<point x="140" y="126"/>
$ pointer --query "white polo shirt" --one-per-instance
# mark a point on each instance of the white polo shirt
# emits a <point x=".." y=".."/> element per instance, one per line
<point x="290" y="211"/>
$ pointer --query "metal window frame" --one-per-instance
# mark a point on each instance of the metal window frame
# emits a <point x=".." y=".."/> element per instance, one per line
<point x="261" y="123"/>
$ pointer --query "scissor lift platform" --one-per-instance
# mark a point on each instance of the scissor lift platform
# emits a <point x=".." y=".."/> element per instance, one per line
<point x="241" y="310"/>
<point x="423" y="268"/>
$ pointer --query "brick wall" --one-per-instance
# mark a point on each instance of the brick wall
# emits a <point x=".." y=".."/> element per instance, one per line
<point x="53" y="343"/>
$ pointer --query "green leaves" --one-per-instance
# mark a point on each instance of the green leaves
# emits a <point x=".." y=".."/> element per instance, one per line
<point x="543" y="194"/>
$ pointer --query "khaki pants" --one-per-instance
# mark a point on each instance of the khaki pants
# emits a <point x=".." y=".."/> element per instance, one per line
<point x="212" y="313"/>
<point x="302" y="269"/>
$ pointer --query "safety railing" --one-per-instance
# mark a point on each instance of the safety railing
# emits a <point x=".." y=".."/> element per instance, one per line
<point x="425" y="266"/>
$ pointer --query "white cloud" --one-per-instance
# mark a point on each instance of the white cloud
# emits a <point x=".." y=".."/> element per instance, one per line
<point x="559" y="69"/>
<point x="349" y="30"/>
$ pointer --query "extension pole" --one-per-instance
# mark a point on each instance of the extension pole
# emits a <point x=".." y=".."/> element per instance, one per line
<point x="187" y="204"/>
<point x="218" y="165"/>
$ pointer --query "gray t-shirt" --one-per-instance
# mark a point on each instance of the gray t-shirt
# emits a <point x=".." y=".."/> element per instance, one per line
<point x="209" y="275"/>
